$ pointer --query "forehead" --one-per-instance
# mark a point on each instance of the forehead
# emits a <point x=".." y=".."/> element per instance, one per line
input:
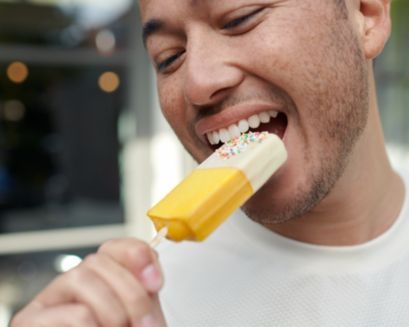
<point x="151" y="8"/>
<point x="147" y="6"/>
<point x="202" y="8"/>
<point x="164" y="3"/>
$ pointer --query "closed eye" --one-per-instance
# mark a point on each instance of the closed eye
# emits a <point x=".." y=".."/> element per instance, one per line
<point x="240" y="20"/>
<point x="166" y="63"/>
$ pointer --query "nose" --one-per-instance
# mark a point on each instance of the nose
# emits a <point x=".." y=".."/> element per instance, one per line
<point x="211" y="70"/>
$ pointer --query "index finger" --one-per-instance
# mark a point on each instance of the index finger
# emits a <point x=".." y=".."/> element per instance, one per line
<point x="133" y="254"/>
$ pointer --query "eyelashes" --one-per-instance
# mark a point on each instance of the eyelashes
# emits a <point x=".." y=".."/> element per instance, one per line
<point x="161" y="66"/>
<point x="164" y="65"/>
<point x="242" y="19"/>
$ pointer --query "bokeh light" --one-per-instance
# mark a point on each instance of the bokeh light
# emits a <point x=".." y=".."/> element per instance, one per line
<point x="66" y="262"/>
<point x="13" y="110"/>
<point x="17" y="72"/>
<point x="105" y="41"/>
<point x="109" y="82"/>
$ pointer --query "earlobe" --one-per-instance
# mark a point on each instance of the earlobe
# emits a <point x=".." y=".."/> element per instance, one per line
<point x="375" y="26"/>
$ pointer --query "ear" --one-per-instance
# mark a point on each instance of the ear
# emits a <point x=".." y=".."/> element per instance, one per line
<point x="374" y="25"/>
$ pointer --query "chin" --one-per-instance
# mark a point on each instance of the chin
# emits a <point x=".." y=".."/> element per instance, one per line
<point x="269" y="205"/>
<point x="283" y="199"/>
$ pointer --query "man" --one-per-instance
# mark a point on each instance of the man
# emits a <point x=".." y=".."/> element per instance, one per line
<point x="323" y="243"/>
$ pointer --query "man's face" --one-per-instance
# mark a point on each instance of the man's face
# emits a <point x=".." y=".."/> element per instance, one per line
<point x="220" y="62"/>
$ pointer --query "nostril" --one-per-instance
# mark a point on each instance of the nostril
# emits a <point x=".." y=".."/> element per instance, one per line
<point x="219" y="95"/>
<point x="210" y="79"/>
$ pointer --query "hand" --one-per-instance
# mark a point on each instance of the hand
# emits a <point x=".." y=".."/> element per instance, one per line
<point x="116" y="287"/>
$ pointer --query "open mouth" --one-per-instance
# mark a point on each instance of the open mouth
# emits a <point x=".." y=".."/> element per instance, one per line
<point x="268" y="121"/>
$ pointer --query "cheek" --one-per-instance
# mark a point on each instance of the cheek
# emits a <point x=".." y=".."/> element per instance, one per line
<point x="292" y="47"/>
<point x="281" y="50"/>
<point x="171" y="102"/>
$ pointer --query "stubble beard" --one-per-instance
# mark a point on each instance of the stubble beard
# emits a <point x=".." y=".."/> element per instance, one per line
<point x="341" y="120"/>
<point x="341" y="116"/>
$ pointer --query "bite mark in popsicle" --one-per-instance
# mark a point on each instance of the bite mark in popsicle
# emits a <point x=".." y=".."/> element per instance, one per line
<point x="217" y="187"/>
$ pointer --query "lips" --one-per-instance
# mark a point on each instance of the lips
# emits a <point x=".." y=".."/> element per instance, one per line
<point x="222" y="127"/>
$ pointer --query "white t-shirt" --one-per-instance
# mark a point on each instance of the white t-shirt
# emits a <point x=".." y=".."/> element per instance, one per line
<point x="246" y="275"/>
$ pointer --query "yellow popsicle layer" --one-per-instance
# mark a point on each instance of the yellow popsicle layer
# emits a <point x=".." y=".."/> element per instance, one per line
<point x="198" y="205"/>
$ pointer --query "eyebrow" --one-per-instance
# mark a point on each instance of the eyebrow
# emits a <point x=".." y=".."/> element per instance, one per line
<point x="151" y="27"/>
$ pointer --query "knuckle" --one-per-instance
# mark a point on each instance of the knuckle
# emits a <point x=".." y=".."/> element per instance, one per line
<point x="127" y="250"/>
<point x="77" y="276"/>
<point x="142" y="252"/>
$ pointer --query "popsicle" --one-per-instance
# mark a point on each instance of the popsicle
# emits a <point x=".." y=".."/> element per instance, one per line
<point x="217" y="187"/>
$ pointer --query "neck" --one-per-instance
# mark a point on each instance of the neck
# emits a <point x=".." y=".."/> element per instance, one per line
<point x="365" y="201"/>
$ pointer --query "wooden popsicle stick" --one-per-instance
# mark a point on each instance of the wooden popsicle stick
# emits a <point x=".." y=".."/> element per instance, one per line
<point x="159" y="237"/>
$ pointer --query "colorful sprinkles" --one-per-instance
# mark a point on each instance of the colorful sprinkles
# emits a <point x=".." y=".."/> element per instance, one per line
<point x="239" y="144"/>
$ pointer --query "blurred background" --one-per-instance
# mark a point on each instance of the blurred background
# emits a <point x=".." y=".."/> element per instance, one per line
<point x="83" y="149"/>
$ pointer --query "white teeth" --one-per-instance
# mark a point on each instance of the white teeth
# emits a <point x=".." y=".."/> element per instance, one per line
<point x="264" y="117"/>
<point x="216" y="137"/>
<point x="224" y="135"/>
<point x="210" y="138"/>
<point x="273" y="113"/>
<point x="234" y="130"/>
<point x="244" y="126"/>
<point x="254" y="121"/>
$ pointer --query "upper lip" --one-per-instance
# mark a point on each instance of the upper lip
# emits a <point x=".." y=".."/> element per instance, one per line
<point x="232" y="115"/>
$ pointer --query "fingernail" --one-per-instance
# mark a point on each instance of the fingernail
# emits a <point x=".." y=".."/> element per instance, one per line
<point x="148" y="321"/>
<point x="152" y="278"/>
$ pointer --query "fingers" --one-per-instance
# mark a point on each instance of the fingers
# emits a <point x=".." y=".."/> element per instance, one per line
<point x="75" y="315"/>
<point x="83" y="285"/>
<point x="133" y="296"/>
<point x="137" y="257"/>
<point x="117" y="287"/>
